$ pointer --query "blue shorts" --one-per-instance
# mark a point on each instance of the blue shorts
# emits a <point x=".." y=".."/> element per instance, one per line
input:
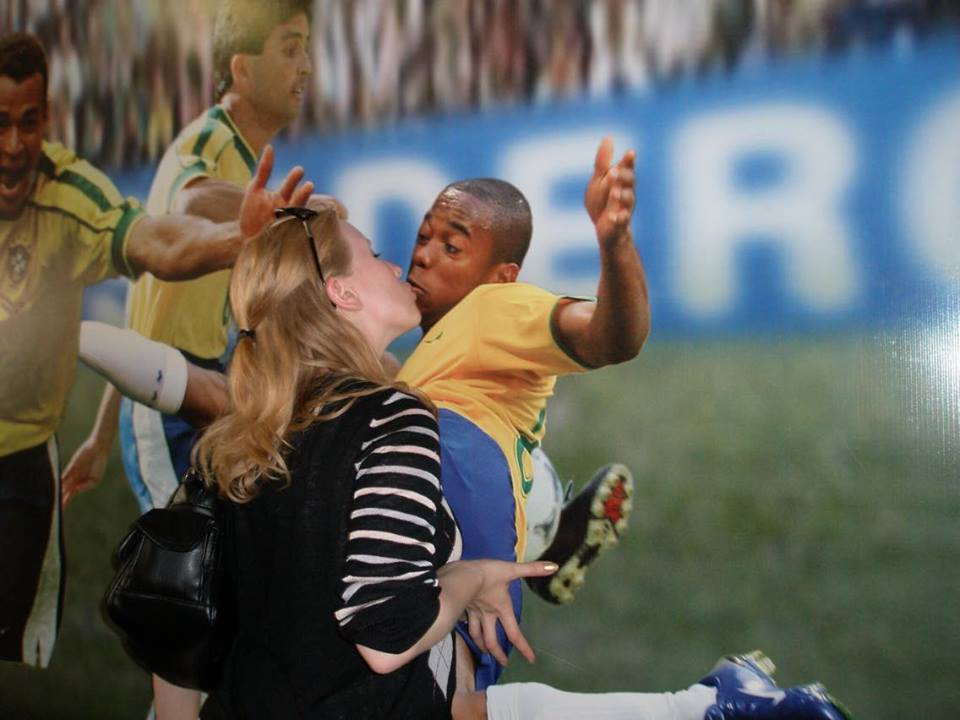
<point x="155" y="449"/>
<point x="477" y="485"/>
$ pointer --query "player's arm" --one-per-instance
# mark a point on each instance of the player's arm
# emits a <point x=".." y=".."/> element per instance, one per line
<point x="614" y="328"/>
<point x="210" y="198"/>
<point x="86" y="467"/>
<point x="179" y="247"/>
<point x="153" y="373"/>
<point x="205" y="396"/>
<point x="132" y="362"/>
<point x="220" y="201"/>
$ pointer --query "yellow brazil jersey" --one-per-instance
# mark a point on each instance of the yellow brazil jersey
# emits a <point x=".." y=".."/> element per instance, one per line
<point x="192" y="315"/>
<point x="494" y="359"/>
<point x="72" y="233"/>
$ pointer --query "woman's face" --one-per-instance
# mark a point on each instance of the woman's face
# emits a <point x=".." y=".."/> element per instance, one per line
<point x="388" y="303"/>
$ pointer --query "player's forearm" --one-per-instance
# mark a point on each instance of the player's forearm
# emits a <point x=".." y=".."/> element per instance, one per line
<point x="205" y="397"/>
<point x="621" y="322"/>
<point x="215" y="200"/>
<point x="105" y="425"/>
<point x="181" y="247"/>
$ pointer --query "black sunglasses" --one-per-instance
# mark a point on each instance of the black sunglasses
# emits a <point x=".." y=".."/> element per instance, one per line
<point x="304" y="214"/>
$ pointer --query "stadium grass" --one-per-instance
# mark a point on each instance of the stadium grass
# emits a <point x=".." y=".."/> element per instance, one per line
<point x="798" y="496"/>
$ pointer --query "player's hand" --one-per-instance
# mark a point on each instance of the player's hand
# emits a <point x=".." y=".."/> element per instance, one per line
<point x="84" y="471"/>
<point x="492" y="602"/>
<point x="595" y="196"/>
<point x="256" y="209"/>
<point x="611" y="192"/>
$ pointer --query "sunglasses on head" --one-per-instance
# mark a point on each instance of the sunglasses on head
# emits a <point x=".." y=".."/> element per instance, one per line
<point x="304" y="214"/>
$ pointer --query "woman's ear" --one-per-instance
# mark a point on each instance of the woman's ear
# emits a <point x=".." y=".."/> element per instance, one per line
<point x="342" y="295"/>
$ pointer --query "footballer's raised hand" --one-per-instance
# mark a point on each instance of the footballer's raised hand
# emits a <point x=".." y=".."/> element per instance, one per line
<point x="611" y="193"/>
<point x="256" y="209"/>
<point x="598" y="187"/>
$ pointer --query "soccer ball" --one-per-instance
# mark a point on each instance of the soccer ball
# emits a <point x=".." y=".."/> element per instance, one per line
<point x="544" y="503"/>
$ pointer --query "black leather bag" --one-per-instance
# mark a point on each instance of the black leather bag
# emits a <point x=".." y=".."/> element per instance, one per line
<point x="172" y="598"/>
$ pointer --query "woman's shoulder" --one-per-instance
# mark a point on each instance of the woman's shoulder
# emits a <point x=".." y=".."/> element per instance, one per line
<point x="351" y="433"/>
<point x="391" y="398"/>
<point x="376" y="408"/>
<point x="398" y="407"/>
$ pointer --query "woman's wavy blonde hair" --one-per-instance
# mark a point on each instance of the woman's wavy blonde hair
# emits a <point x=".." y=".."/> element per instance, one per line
<point x="304" y="363"/>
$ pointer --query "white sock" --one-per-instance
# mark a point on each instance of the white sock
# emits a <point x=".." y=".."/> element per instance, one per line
<point x="146" y="371"/>
<point x="534" y="701"/>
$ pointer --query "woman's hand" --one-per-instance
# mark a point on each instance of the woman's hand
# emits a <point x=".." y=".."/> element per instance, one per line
<point x="492" y="602"/>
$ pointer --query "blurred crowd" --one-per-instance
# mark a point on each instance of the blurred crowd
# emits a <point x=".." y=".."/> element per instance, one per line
<point x="125" y="75"/>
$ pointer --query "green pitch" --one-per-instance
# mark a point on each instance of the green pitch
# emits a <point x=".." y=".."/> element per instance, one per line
<point x="800" y="497"/>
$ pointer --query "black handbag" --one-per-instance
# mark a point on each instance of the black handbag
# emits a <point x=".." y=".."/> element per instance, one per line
<point x="172" y="598"/>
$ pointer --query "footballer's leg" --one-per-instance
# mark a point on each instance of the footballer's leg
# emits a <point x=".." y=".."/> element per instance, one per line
<point x="31" y="564"/>
<point x="738" y="688"/>
<point x="588" y="525"/>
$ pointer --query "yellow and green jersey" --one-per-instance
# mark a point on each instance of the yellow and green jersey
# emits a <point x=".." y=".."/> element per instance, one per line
<point x="73" y="232"/>
<point x="494" y="359"/>
<point x="192" y="315"/>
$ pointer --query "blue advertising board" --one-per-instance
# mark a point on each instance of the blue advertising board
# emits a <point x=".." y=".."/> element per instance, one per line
<point x="816" y="194"/>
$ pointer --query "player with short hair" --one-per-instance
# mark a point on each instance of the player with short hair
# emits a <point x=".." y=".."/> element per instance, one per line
<point x="261" y="67"/>
<point x="260" y="70"/>
<point x="493" y="347"/>
<point x="63" y="226"/>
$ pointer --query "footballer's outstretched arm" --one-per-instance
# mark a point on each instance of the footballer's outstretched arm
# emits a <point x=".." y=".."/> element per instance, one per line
<point x="220" y="201"/>
<point x="156" y="374"/>
<point x="180" y="247"/>
<point x="614" y="328"/>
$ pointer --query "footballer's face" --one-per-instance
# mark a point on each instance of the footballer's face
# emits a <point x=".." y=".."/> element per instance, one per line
<point x="453" y="255"/>
<point x="279" y="74"/>
<point x="23" y="123"/>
